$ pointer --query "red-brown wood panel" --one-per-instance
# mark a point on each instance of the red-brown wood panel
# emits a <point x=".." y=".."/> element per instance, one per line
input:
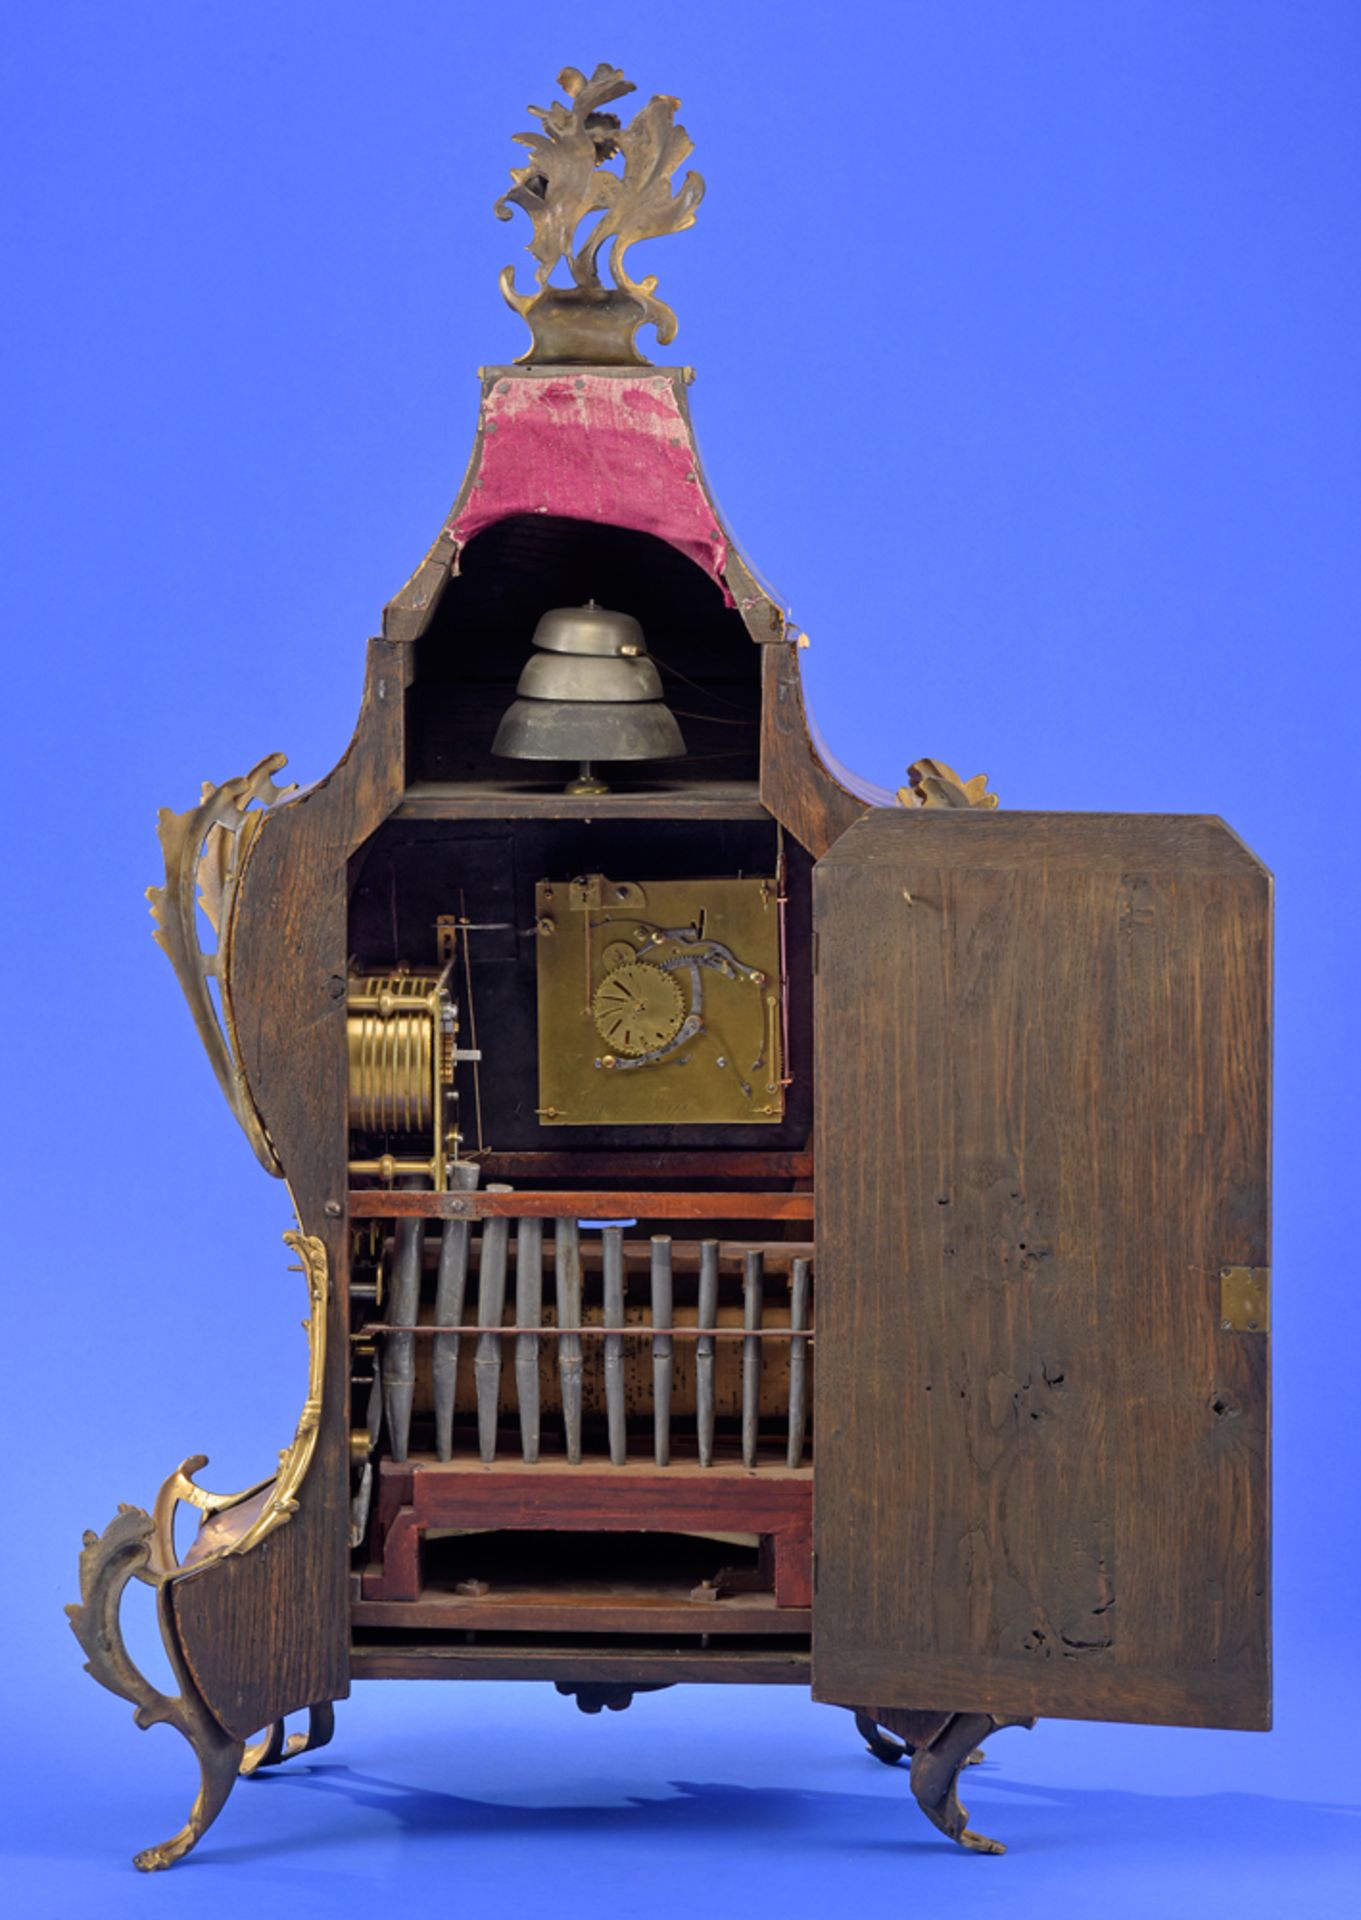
<point x="1043" y="1060"/>
<point x="267" y="1632"/>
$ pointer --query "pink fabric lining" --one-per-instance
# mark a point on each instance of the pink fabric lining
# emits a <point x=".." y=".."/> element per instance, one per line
<point x="592" y="447"/>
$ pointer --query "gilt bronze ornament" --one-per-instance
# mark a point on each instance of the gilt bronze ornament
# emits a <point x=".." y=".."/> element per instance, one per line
<point x="567" y="179"/>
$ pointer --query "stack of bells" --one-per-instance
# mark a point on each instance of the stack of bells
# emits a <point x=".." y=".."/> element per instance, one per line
<point x="589" y="692"/>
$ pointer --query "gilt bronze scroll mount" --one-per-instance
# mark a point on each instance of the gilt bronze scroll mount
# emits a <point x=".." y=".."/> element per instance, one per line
<point x="205" y="851"/>
<point x="930" y="783"/>
<point x="137" y="1545"/>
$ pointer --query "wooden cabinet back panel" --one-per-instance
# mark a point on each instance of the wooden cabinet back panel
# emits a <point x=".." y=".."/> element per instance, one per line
<point x="1043" y="1066"/>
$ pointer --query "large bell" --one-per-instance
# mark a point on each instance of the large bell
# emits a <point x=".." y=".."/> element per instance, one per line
<point x="588" y="692"/>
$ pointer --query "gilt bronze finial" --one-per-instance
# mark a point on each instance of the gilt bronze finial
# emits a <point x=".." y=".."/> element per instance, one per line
<point x="566" y="179"/>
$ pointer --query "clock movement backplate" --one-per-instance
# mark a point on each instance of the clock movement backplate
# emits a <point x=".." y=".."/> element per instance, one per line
<point x="660" y="1003"/>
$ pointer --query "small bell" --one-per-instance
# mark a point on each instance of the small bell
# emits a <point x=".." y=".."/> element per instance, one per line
<point x="588" y="692"/>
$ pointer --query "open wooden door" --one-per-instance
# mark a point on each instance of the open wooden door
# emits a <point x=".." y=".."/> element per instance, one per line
<point x="1042" y="1081"/>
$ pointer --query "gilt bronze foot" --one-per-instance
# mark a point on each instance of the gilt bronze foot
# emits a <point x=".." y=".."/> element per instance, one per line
<point x="886" y="1745"/>
<point x="273" y="1747"/>
<point x="938" y="1746"/>
<point x="935" y="1775"/>
<point x="123" y="1552"/>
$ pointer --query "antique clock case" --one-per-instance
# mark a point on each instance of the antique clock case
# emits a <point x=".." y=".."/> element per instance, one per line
<point x="756" y="1227"/>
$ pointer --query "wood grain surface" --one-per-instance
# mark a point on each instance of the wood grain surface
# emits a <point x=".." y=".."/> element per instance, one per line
<point x="435" y="1659"/>
<point x="420" y="1496"/>
<point x="1042" y="1053"/>
<point x="388" y="1203"/>
<point x="797" y="784"/>
<point x="268" y="1632"/>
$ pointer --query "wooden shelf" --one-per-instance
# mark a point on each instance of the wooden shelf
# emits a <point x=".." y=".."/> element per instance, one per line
<point x="456" y="1660"/>
<point x="584" y="1607"/>
<point x="387" y="1203"/>
<point x="683" y="1479"/>
<point x="524" y="800"/>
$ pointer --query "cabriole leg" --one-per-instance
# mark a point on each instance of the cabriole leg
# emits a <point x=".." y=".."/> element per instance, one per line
<point x="109" y="1560"/>
<point x="884" y="1746"/>
<point x="892" y="1736"/>
<point x="935" y="1776"/>
<point x="272" y="1748"/>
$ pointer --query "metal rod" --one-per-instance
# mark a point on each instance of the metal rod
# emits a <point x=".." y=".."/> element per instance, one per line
<point x="450" y="1289"/>
<point x="399" y="1347"/>
<point x="491" y="1305"/>
<point x="528" y="1313"/>
<point x="390" y="1169"/>
<point x="612" y="1240"/>
<point x="704" y="1350"/>
<point x="684" y="1254"/>
<point x="592" y="1332"/>
<point x="567" y="1277"/>
<point x="662" y="1350"/>
<point x="798" y="1362"/>
<point x="753" y="1280"/>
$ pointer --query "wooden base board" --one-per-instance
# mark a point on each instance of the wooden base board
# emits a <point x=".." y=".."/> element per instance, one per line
<point x="772" y="1666"/>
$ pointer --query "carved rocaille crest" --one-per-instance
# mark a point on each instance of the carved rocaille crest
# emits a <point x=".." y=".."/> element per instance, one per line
<point x="567" y="179"/>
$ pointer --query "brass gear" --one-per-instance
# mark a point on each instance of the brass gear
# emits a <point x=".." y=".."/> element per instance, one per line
<point x="618" y="954"/>
<point x="638" y="1008"/>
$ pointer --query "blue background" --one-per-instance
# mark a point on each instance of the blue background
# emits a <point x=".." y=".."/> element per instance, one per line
<point x="1027" y="338"/>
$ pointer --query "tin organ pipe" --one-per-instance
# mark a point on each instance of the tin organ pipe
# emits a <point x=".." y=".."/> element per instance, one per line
<point x="704" y="1350"/>
<point x="567" y="1277"/>
<point x="450" y="1289"/>
<point x="456" y="1323"/>
<point x="399" y="1349"/>
<point x="662" y="1348"/>
<point x="613" y="1243"/>
<point x="753" y="1280"/>
<point x="798" y="1361"/>
<point x="366" y="1373"/>
<point x="528" y="1312"/>
<point x="491" y="1305"/>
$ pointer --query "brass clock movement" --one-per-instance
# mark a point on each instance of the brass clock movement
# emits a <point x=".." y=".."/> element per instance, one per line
<point x="660" y="1002"/>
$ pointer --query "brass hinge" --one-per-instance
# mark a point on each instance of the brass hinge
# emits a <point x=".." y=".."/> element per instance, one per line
<point x="1245" y="1299"/>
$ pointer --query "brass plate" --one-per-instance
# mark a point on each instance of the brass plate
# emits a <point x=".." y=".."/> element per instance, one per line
<point x="1245" y="1299"/>
<point x="718" y="942"/>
